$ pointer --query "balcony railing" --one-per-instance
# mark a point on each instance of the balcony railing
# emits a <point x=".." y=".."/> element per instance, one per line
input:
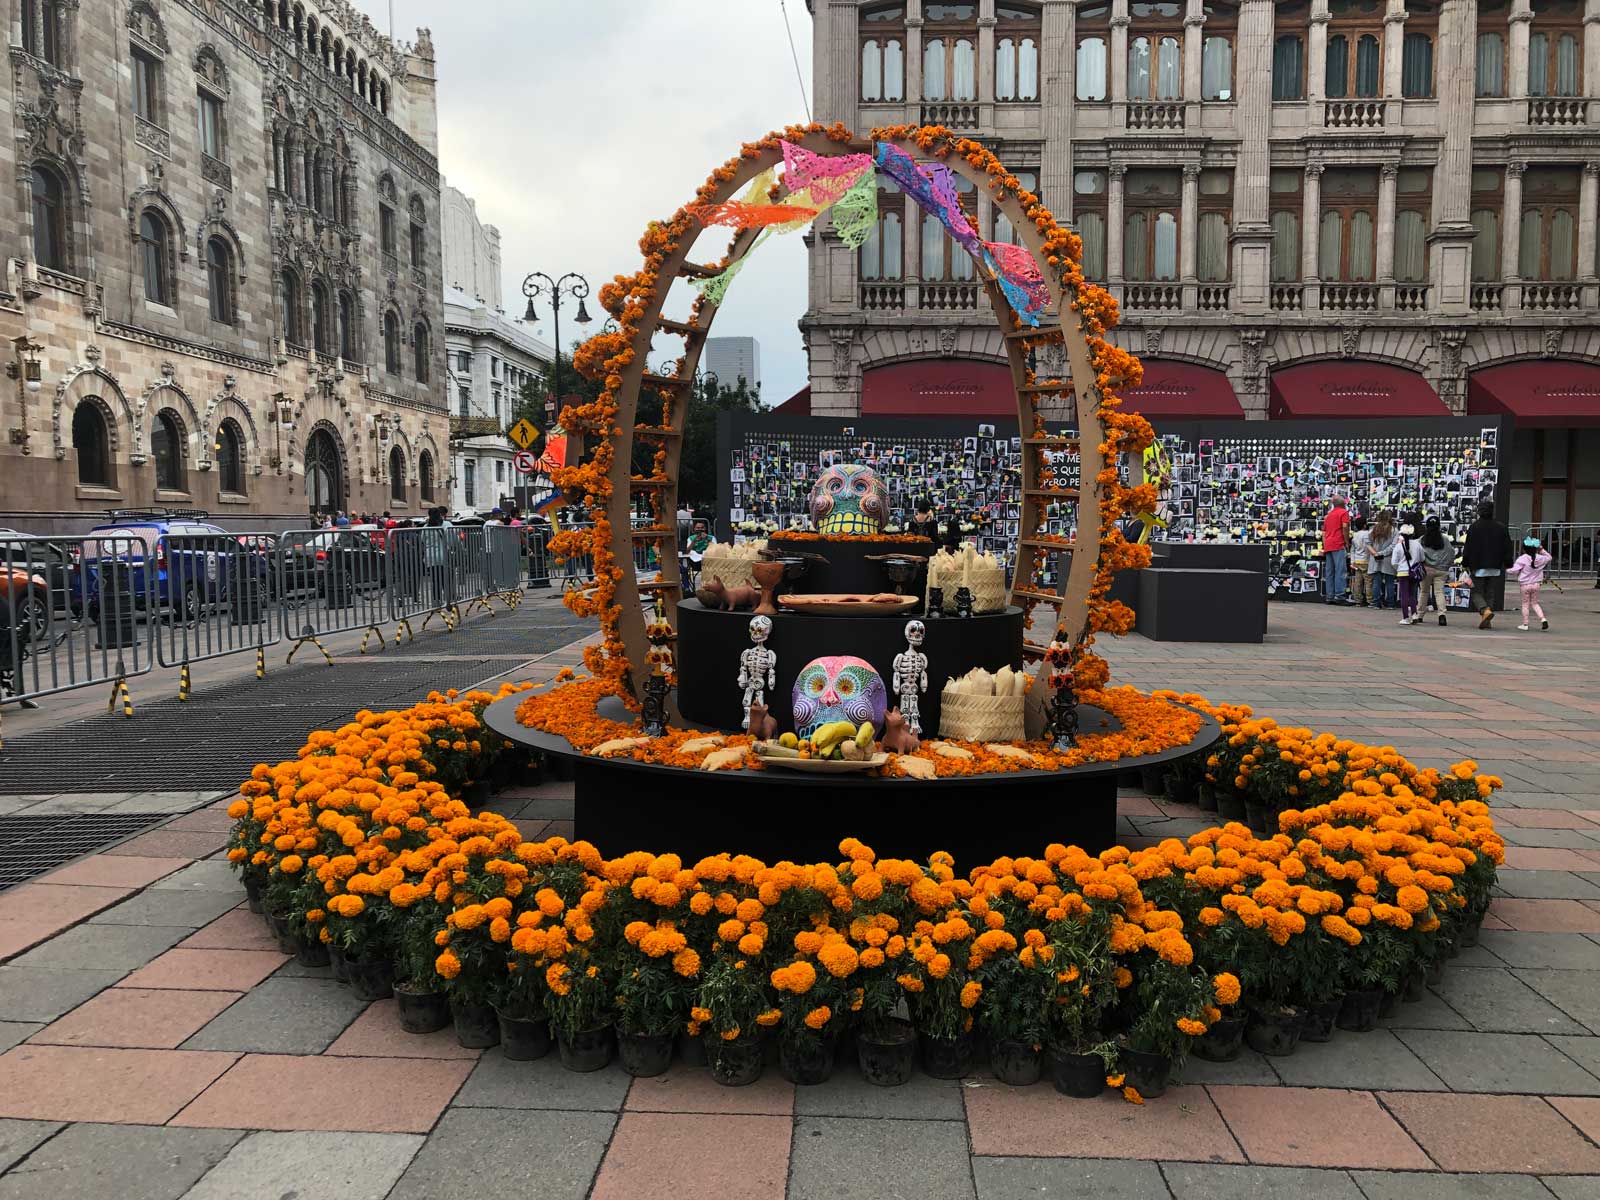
<point x="1152" y="297"/>
<point x="1353" y="114"/>
<point x="1287" y="297"/>
<point x="1155" y="114"/>
<point x="1559" y="112"/>
<point x="1349" y="297"/>
<point x="1411" y="297"/>
<point x="1213" y="297"/>
<point x="1488" y="297"/>
<point x="1551" y="297"/>
<point x="944" y="297"/>
<point x="952" y="116"/>
<point x="883" y="297"/>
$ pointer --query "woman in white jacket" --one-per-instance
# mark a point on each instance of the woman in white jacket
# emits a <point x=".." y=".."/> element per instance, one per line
<point x="1407" y="554"/>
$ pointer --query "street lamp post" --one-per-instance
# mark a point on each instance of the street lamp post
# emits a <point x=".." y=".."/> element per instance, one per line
<point x="571" y="284"/>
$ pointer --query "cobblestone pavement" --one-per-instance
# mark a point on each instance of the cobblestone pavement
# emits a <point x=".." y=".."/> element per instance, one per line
<point x="156" y="1044"/>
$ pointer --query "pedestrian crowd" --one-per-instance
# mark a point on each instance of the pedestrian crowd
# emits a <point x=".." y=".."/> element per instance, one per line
<point x="1406" y="562"/>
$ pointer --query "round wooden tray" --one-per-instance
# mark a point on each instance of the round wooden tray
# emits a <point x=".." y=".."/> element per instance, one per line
<point x="845" y="605"/>
<point x="823" y="766"/>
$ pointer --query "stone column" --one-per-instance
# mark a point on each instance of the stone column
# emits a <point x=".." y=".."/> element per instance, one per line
<point x="1114" y="223"/>
<point x="1511" y="235"/>
<point x="1450" y="249"/>
<point x="1394" y="35"/>
<point x="911" y="255"/>
<point x="1517" y="48"/>
<point x="1317" y="60"/>
<point x="1189" y="233"/>
<point x="1119" y="56"/>
<point x="1057" y="94"/>
<point x="837" y="53"/>
<point x="1252" y="233"/>
<point x="1388" y="173"/>
<point x="1588" y="212"/>
<point x="985" y="64"/>
<point x="913" y="60"/>
<point x="1194" y="21"/>
<point x="1310" y="231"/>
<point x="1591" y="48"/>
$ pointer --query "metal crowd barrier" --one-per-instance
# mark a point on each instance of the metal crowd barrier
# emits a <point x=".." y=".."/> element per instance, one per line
<point x="218" y="596"/>
<point x="330" y="581"/>
<point x="75" y="612"/>
<point x="1572" y="546"/>
<point x="503" y="550"/>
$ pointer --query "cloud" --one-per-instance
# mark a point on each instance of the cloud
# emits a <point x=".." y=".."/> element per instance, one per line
<point x="574" y="124"/>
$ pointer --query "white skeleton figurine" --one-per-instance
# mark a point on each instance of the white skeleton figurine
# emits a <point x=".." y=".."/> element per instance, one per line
<point x="756" y="663"/>
<point x="911" y="676"/>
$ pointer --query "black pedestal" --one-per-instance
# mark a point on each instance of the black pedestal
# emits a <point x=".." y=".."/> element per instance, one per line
<point x="710" y="642"/>
<point x="848" y="568"/>
<point x="1191" y="605"/>
<point x="1213" y="556"/>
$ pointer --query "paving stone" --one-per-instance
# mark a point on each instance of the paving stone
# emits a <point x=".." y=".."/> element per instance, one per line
<point x="1249" y="1067"/>
<point x="685" y="1089"/>
<point x="35" y="911"/>
<point x="213" y="875"/>
<point x="1368" y="1062"/>
<point x="1573" y="1187"/>
<point x="80" y="1083"/>
<point x="1039" y="1121"/>
<point x="113" y="870"/>
<point x="1546" y="885"/>
<point x="1568" y="839"/>
<point x="158" y="907"/>
<point x="137" y="1018"/>
<point x="106" y="947"/>
<point x="1431" y="1012"/>
<point x="1565" y="951"/>
<point x="497" y="1082"/>
<point x="236" y="929"/>
<point x="1413" y="1185"/>
<point x="310" y="1166"/>
<point x="44" y="993"/>
<point x="13" y="1032"/>
<point x="551" y="1157"/>
<point x="1315" y="1127"/>
<point x="376" y="1033"/>
<point x="118" y="1162"/>
<point x="847" y="1094"/>
<point x="282" y="1016"/>
<point x="1053" y="1178"/>
<point x="223" y="970"/>
<point x="1582" y="1111"/>
<point x="174" y="843"/>
<point x="1545" y="858"/>
<point x="1546" y="916"/>
<point x="1576" y="993"/>
<point x="1207" y="1181"/>
<point x="1498" y="1001"/>
<point x="1477" y="1133"/>
<point x="203" y="821"/>
<point x="1499" y="1062"/>
<point x="20" y="1137"/>
<point x="363" y="1095"/>
<point x="857" y="1160"/>
<point x="667" y="1154"/>
<point x="1582" y="1049"/>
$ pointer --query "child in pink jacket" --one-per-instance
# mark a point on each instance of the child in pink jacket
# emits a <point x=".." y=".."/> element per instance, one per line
<point x="1528" y="571"/>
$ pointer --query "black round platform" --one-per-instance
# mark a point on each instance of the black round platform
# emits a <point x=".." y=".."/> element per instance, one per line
<point x="849" y="567"/>
<point x="774" y="814"/>
<point x="710" y="642"/>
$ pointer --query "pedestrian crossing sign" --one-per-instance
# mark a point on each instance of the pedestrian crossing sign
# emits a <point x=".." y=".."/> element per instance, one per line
<point x="524" y="433"/>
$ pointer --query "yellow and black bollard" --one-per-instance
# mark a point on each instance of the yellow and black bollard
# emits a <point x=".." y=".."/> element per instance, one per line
<point x="295" y="649"/>
<point x="365" y="637"/>
<point x="405" y="627"/>
<point x="119" y="692"/>
<point x="183" y="682"/>
<point x="261" y="662"/>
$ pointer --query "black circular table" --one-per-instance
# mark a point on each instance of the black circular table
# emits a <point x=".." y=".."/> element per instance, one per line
<point x="776" y="814"/>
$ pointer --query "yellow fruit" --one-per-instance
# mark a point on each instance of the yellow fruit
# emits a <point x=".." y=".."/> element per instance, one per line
<point x="864" y="735"/>
<point x="789" y="740"/>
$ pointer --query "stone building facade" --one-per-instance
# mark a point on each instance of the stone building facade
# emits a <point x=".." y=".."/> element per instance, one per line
<point x="1399" y="187"/>
<point x="222" y="263"/>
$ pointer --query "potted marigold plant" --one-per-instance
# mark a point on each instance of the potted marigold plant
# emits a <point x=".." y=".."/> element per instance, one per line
<point x="733" y="1007"/>
<point x="656" y="973"/>
<point x="814" y="997"/>
<point x="1079" y="1050"/>
<point x="1174" y="1001"/>
<point x="941" y="1001"/>
<point x="881" y="908"/>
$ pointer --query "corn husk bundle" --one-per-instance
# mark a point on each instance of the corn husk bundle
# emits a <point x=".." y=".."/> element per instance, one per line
<point x="984" y="706"/>
<point x="983" y="574"/>
<point x="731" y="564"/>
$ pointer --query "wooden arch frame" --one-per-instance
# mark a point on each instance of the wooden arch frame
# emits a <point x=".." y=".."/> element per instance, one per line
<point x="1072" y="602"/>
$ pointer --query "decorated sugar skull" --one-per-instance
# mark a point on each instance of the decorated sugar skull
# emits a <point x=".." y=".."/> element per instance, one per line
<point x="838" y="687"/>
<point x="849" y="499"/>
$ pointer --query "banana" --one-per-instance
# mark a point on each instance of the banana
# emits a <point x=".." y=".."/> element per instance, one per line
<point x="864" y="735"/>
<point x="831" y="733"/>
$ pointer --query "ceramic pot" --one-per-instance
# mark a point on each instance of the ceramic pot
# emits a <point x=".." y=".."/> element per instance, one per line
<point x="887" y="1053"/>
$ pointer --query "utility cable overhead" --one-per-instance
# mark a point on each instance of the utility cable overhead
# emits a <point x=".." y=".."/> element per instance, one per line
<point x="795" y="54"/>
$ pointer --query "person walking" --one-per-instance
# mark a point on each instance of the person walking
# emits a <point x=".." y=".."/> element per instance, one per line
<point x="1486" y="555"/>
<point x="1406" y="558"/>
<point x="1381" y="549"/>
<point x="1438" y="555"/>
<point x="1360" y="561"/>
<point x="1529" y="571"/>
<point x="1335" y="552"/>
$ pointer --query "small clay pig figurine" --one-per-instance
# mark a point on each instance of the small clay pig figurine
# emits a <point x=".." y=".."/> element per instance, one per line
<point x="763" y="726"/>
<point x="716" y="594"/>
<point x="897" y="736"/>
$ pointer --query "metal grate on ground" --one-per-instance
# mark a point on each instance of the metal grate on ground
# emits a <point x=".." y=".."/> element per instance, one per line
<point x="30" y="846"/>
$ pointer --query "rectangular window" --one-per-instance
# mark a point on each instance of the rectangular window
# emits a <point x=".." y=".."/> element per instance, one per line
<point x="146" y="87"/>
<point x="386" y="228"/>
<point x="211" y="125"/>
<point x="1488" y="204"/>
<point x="1215" y="211"/>
<point x="1285" y="198"/>
<point x="1091" y="71"/>
<point x="1289" y="68"/>
<point x="1089" y="215"/>
<point x="1152" y="202"/>
<point x="1416" y="66"/>
<point x="1491" y="65"/>
<point x="1347" y="247"/>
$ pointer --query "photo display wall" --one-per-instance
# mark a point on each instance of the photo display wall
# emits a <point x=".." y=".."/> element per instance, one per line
<point x="1265" y="482"/>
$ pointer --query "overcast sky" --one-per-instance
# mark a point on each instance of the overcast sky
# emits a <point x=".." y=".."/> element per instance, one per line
<point x="574" y="124"/>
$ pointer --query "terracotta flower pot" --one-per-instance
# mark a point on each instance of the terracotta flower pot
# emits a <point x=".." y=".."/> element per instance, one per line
<point x="1016" y="1063"/>
<point x="1082" y="1076"/>
<point x="887" y="1054"/>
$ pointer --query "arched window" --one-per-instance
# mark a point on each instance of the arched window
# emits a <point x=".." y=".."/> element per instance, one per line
<point x="230" y="458"/>
<point x="419" y="235"/>
<point x="347" y="328"/>
<point x="1216" y="51"/>
<point x="1416" y="50"/>
<point x="397" y="475"/>
<point x="166" y="449"/>
<point x="883" y="55"/>
<point x="219" y="280"/>
<point x="321" y="319"/>
<point x="425" y="474"/>
<point x="1089" y="214"/>
<point x="387" y="235"/>
<point x="1555" y="48"/>
<point x="319" y="196"/>
<point x="1354" y="58"/>
<point x="155" y="245"/>
<point x="324" y="473"/>
<point x="391" y="343"/>
<point x="1150" y="228"/>
<point x="1094" y="23"/>
<point x="293" y="324"/>
<point x="50" y="221"/>
<point x="91" y="441"/>
<point x="421" y="351"/>
<point x="1016" y="51"/>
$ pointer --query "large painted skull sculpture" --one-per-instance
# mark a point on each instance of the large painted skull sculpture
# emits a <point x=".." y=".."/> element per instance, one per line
<point x="849" y="499"/>
<point x="838" y="687"/>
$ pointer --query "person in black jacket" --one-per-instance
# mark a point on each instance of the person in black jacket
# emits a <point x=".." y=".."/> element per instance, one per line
<point x="1486" y="556"/>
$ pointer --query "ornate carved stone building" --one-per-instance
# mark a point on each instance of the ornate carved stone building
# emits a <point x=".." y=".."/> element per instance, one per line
<point x="222" y="262"/>
<point x="1314" y="208"/>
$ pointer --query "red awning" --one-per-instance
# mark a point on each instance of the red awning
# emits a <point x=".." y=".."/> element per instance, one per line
<point x="938" y="387"/>
<point x="1353" y="389"/>
<point x="797" y="405"/>
<point x="1182" y="390"/>
<point x="1538" y="394"/>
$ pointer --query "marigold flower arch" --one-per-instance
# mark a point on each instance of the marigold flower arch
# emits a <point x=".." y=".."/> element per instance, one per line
<point x="1084" y="314"/>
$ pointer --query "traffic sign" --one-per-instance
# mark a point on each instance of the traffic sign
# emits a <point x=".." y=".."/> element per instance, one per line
<point x="524" y="433"/>
<point x="525" y="462"/>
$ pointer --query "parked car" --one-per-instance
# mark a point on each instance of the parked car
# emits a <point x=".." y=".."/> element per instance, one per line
<point x="25" y="608"/>
<point x="172" y="555"/>
<point x="56" y="561"/>
<point x="356" y="553"/>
